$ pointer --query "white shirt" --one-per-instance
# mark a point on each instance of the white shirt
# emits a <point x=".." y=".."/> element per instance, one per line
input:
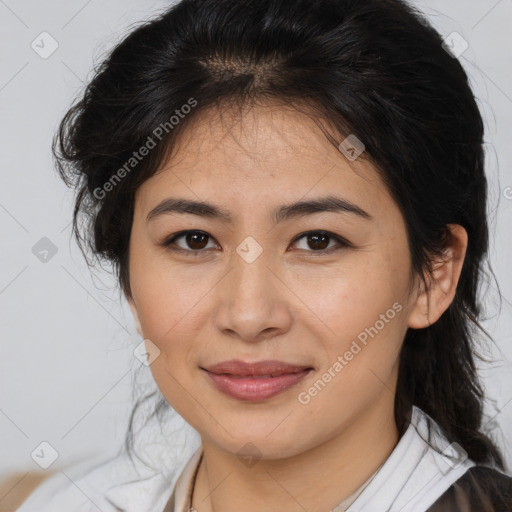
<point x="410" y="480"/>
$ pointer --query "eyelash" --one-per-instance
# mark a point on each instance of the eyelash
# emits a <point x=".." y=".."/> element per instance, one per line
<point x="343" y="244"/>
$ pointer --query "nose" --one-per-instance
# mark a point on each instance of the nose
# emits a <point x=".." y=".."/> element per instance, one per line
<point x="253" y="302"/>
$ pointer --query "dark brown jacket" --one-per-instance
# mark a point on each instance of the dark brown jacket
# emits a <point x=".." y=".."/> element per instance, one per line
<point x="480" y="489"/>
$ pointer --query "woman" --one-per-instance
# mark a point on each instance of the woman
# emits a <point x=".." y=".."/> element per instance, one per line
<point x="294" y="198"/>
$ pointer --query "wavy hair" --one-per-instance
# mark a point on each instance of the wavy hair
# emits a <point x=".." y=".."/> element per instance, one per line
<point x="376" y="69"/>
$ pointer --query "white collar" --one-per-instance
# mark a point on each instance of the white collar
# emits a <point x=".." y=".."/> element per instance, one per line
<point x="415" y="475"/>
<point x="168" y="452"/>
<point x="411" y="479"/>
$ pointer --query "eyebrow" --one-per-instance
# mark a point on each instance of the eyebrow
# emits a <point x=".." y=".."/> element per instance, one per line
<point x="280" y="214"/>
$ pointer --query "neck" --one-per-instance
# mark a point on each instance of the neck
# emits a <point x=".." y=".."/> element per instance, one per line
<point x="315" y="480"/>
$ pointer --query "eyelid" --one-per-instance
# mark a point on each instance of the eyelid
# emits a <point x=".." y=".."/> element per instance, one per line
<point x="342" y="242"/>
<point x="167" y="241"/>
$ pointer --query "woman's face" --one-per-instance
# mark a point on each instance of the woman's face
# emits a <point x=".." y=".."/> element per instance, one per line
<point x="259" y="287"/>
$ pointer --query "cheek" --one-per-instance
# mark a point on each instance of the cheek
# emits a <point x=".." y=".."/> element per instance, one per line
<point x="363" y="318"/>
<point x="369" y="329"/>
<point x="351" y="298"/>
<point x="170" y="321"/>
<point x="167" y="296"/>
<point x="360" y="359"/>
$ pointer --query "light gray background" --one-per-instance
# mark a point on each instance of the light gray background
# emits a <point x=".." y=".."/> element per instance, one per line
<point x="66" y="362"/>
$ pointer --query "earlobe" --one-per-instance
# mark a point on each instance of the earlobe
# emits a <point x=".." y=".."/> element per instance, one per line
<point x="135" y="317"/>
<point x="442" y="284"/>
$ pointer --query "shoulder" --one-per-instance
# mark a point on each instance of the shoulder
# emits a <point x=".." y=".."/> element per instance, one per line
<point x="479" y="489"/>
<point x="108" y="484"/>
<point x="116" y="481"/>
<point x="78" y="487"/>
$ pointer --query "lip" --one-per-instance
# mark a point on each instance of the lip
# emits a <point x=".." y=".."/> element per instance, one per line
<point x="255" y="381"/>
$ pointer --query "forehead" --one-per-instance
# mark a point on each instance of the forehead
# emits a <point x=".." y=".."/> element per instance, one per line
<point x="264" y="153"/>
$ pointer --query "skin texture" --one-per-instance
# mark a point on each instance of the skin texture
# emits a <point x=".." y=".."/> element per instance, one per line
<point x="292" y="303"/>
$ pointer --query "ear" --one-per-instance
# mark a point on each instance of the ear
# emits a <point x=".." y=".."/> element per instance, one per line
<point x="131" y="303"/>
<point x="431" y="304"/>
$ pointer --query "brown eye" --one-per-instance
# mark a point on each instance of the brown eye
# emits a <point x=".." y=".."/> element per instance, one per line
<point x="195" y="241"/>
<point x="319" y="241"/>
